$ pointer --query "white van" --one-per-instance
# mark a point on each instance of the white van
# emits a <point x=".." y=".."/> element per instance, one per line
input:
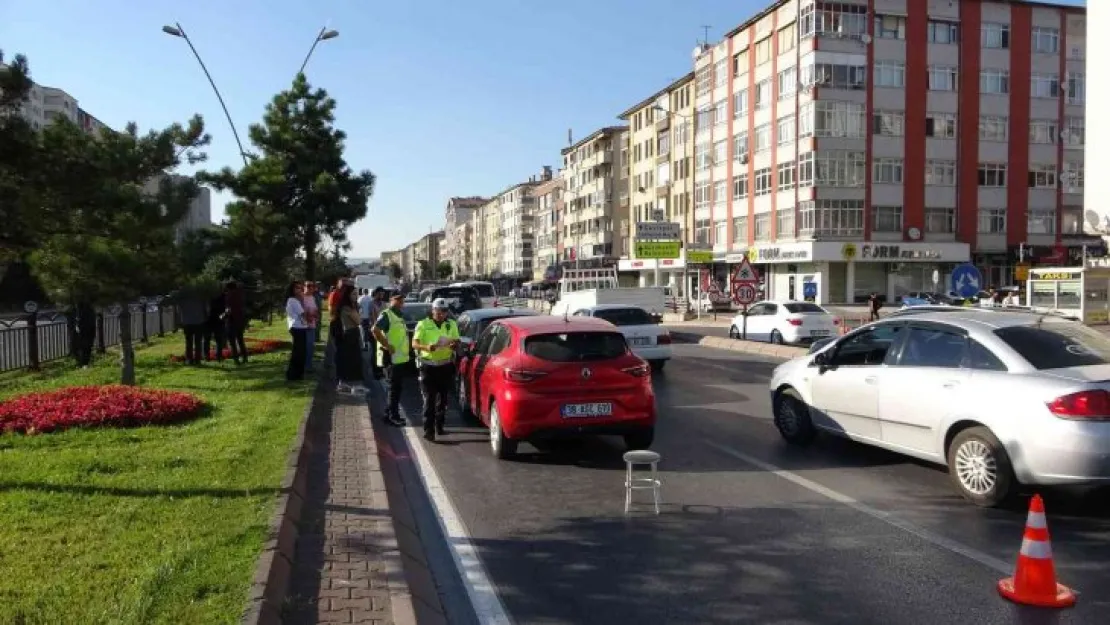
<point x="372" y="281"/>
<point x="485" y="291"/>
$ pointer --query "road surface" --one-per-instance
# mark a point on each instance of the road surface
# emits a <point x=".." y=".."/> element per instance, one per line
<point x="752" y="531"/>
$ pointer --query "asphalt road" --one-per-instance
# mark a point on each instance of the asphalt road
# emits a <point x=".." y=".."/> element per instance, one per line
<point x="752" y="531"/>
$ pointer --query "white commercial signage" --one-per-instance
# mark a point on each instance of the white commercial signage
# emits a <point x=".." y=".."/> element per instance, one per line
<point x="658" y="230"/>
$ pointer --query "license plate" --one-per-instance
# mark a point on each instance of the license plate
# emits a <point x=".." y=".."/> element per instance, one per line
<point x="596" y="409"/>
<point x="818" y="332"/>
<point x="640" y="340"/>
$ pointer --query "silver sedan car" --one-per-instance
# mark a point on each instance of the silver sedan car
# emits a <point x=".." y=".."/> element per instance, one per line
<point x="1004" y="399"/>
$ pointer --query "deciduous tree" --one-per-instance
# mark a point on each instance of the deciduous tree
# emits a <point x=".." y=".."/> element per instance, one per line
<point x="443" y="269"/>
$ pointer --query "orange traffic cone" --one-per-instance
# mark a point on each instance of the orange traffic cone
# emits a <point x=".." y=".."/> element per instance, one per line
<point x="1034" y="580"/>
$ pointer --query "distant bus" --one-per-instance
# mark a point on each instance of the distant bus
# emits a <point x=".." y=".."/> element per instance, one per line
<point x="372" y="281"/>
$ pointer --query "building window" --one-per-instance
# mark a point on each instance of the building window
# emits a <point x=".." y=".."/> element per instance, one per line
<point x="942" y="78"/>
<point x="740" y="186"/>
<point x="788" y="83"/>
<point x="740" y="146"/>
<point x="786" y="172"/>
<point x="703" y="156"/>
<point x="840" y="20"/>
<point x="740" y="103"/>
<point x="940" y="125"/>
<point x="703" y="80"/>
<point x="785" y="219"/>
<point x="1043" y="131"/>
<point x="886" y="218"/>
<point x="993" y="128"/>
<point x="940" y="173"/>
<point x="720" y="112"/>
<point x="805" y="170"/>
<point x="992" y="221"/>
<point x="785" y="130"/>
<point x="992" y="174"/>
<point x="720" y="194"/>
<point x="763" y="182"/>
<point x="833" y="118"/>
<point x="740" y="63"/>
<point x="887" y="171"/>
<point x="840" y="168"/>
<point x="763" y="227"/>
<point x="763" y="94"/>
<point x="940" y="220"/>
<point x="807" y="20"/>
<point x="1046" y="40"/>
<point x="763" y="51"/>
<point x="1042" y="176"/>
<point x="834" y="76"/>
<point x="993" y="81"/>
<point x="1041" y="221"/>
<point x="1072" y="177"/>
<point x="703" y="119"/>
<point x="1077" y="88"/>
<point x="701" y="231"/>
<point x="701" y="195"/>
<point x="720" y="73"/>
<point x="890" y="27"/>
<point x="805" y="120"/>
<point x="1044" y="86"/>
<point x="833" y="218"/>
<point x="763" y="137"/>
<point x="943" y="32"/>
<point x="889" y="123"/>
<point x="1075" y="132"/>
<point x="720" y="152"/>
<point x="740" y="229"/>
<point x="996" y="35"/>
<point x="890" y="74"/>
<point x="787" y="36"/>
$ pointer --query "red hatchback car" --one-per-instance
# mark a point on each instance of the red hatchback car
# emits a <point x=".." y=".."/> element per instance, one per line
<point x="538" y="377"/>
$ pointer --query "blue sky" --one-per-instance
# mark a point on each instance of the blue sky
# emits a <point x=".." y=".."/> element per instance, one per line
<point x="438" y="97"/>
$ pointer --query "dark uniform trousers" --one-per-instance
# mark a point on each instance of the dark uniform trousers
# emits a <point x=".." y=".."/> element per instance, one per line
<point x="435" y="385"/>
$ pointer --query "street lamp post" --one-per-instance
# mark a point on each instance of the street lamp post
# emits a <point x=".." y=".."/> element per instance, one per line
<point x="323" y="35"/>
<point x="177" y="31"/>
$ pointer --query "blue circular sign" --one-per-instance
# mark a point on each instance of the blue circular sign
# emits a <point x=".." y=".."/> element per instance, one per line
<point x="966" y="280"/>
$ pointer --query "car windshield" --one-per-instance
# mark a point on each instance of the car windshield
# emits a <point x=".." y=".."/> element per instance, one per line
<point x="803" y="307"/>
<point x="576" y="346"/>
<point x="484" y="290"/>
<point x="625" y="316"/>
<point x="1057" y="345"/>
<point x="415" y="312"/>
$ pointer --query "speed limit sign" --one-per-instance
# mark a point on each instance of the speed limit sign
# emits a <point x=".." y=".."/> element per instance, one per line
<point x="745" y="294"/>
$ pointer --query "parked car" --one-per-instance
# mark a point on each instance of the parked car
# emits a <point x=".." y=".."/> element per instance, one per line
<point x="459" y="298"/>
<point x="648" y="339"/>
<point x="1004" y="399"/>
<point x="471" y="325"/>
<point x="544" y="376"/>
<point x="784" y="322"/>
<point x="485" y="291"/>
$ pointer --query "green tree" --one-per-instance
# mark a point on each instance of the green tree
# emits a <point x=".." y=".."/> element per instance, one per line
<point x="424" y="270"/>
<point x="19" y="150"/>
<point x="331" y="267"/>
<point x="393" y="270"/>
<point x="300" y="171"/>
<point x="443" y="269"/>
<point x="110" y="212"/>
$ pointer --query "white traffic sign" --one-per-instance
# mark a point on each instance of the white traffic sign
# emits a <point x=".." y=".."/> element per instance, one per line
<point x="744" y="284"/>
<point x="745" y="294"/>
<point x="658" y="231"/>
<point x="745" y="272"/>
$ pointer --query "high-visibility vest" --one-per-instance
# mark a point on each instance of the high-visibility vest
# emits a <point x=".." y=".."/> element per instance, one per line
<point x="398" y="338"/>
<point x="428" y="332"/>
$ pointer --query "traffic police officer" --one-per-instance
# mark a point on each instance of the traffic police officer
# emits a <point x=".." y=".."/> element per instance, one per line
<point x="434" y="341"/>
<point x="393" y="354"/>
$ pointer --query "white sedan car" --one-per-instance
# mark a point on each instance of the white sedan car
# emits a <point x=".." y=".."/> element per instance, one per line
<point x="647" y="338"/>
<point x="784" y="322"/>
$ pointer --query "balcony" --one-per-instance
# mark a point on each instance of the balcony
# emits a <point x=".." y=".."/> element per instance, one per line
<point x="663" y="123"/>
<point x="662" y="158"/>
<point x="663" y="188"/>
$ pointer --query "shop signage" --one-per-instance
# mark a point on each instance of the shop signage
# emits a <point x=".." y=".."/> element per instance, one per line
<point x="777" y="254"/>
<point x="896" y="252"/>
<point x="699" y="256"/>
<point x="1057" y="275"/>
<point x="658" y="249"/>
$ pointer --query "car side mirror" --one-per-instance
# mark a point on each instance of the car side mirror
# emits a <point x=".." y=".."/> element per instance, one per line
<point x="821" y="361"/>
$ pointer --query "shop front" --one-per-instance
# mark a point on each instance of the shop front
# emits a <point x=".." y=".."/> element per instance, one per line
<point x="848" y="272"/>
<point x="1082" y="292"/>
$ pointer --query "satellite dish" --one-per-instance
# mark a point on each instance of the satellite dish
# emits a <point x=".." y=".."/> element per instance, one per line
<point x="1093" y="219"/>
<point x="700" y="50"/>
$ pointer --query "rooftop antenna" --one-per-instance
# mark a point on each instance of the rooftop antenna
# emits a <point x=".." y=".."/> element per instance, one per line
<point x="570" y="136"/>
<point x="706" y="29"/>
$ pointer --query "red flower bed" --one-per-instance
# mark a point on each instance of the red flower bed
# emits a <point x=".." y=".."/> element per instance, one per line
<point x="95" y="406"/>
<point x="254" y="348"/>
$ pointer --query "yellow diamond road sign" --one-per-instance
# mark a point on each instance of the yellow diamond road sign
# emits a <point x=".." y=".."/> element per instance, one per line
<point x="658" y="249"/>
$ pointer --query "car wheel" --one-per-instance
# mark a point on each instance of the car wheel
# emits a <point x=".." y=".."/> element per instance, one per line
<point x="640" y="439"/>
<point x="733" y="333"/>
<point x="980" y="467"/>
<point x="464" y="401"/>
<point x="776" y="337"/>
<point x="502" y="447"/>
<point x="657" y="365"/>
<point x="792" y="418"/>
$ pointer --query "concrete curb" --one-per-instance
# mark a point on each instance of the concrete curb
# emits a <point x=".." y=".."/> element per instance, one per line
<point x="736" y="345"/>
<point x="274" y="567"/>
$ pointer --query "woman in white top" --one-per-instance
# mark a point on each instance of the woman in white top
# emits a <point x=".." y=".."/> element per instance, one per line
<point x="298" y="329"/>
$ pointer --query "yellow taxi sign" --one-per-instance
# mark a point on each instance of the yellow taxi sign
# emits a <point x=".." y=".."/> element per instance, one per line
<point x="1058" y="275"/>
<point x="658" y="249"/>
<point x="1021" y="272"/>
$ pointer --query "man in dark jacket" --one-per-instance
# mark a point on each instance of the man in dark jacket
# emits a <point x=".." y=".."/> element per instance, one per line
<point x="236" y="321"/>
<point x="214" y="336"/>
<point x="192" y="314"/>
<point x="86" y="333"/>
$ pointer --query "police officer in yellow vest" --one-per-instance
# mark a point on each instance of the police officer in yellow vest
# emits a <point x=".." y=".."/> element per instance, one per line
<point x="434" y="341"/>
<point x="393" y="354"/>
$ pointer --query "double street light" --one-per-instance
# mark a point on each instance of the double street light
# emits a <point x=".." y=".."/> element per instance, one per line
<point x="177" y="31"/>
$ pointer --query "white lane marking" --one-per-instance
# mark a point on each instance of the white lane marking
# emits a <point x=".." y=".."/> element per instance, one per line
<point x="481" y="591"/>
<point x="936" y="540"/>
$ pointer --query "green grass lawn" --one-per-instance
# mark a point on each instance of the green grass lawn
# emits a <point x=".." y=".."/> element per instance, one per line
<point x="147" y="525"/>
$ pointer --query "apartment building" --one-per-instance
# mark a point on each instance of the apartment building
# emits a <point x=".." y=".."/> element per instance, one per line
<point x="200" y="209"/>
<point x="462" y="249"/>
<point x="1096" y="210"/>
<point x="459" y="211"/>
<point x="661" y="166"/>
<point x="828" y="153"/>
<point x="548" y="224"/>
<point x="426" y="256"/>
<point x="392" y="257"/>
<point x="487" y="238"/>
<point x="595" y="169"/>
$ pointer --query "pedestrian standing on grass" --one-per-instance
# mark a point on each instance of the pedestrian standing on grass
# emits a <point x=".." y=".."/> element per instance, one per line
<point x="294" y="318"/>
<point x="312" y="322"/>
<point x="393" y="355"/>
<point x="192" y="314"/>
<point x="348" y="351"/>
<point x="235" y="322"/>
<point x="85" y="339"/>
<point x="214" y="337"/>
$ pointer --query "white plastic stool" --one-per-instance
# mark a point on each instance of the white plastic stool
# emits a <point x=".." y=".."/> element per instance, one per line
<point x="652" y="483"/>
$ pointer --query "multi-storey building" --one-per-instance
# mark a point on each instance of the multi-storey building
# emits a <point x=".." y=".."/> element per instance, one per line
<point x="517" y="206"/>
<point x="548" y="221"/>
<point x="460" y="210"/>
<point x="390" y="258"/>
<point x="661" y="166"/>
<point x="1096" y="209"/>
<point x="426" y="256"/>
<point x="489" y="249"/>
<point x="595" y="229"/>
<point x="462" y="249"/>
<point x="828" y="153"/>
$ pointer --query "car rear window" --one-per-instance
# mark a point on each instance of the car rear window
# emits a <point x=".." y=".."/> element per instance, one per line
<point x="415" y="312"/>
<point x="625" y="316"/>
<point x="803" y="307"/>
<point x="576" y="346"/>
<point x="484" y="290"/>
<point x="1057" y="345"/>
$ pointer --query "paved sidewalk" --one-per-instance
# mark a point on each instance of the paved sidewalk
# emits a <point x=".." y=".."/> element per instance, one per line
<point x="347" y="567"/>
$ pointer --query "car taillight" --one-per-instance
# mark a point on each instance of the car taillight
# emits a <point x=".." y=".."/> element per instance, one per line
<point x="836" y="321"/>
<point x="639" y="371"/>
<point x="1093" y="405"/>
<point x="794" y="322"/>
<point x="663" y="339"/>
<point x="523" y="375"/>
